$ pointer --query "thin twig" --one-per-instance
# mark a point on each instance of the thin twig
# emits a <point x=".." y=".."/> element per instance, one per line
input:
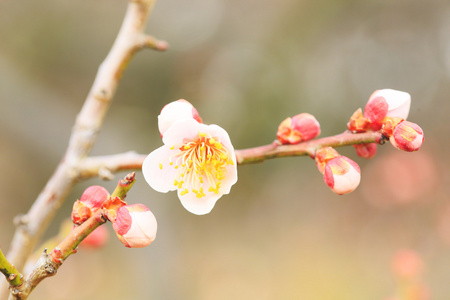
<point x="99" y="165"/>
<point x="105" y="166"/>
<point x="11" y="273"/>
<point x="48" y="264"/>
<point x="33" y="224"/>
<point x="274" y="150"/>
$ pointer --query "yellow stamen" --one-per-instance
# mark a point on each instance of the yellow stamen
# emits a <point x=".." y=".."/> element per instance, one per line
<point x="202" y="164"/>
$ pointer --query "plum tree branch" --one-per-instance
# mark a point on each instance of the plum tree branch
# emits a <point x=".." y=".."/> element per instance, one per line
<point x="274" y="150"/>
<point x="130" y="39"/>
<point x="105" y="166"/>
<point x="48" y="264"/>
<point x="11" y="273"/>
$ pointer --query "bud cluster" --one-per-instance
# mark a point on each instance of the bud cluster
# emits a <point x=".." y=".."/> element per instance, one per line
<point x="135" y="225"/>
<point x="386" y="111"/>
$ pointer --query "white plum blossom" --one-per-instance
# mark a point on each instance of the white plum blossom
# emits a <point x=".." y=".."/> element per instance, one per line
<point x="197" y="160"/>
<point x="176" y="111"/>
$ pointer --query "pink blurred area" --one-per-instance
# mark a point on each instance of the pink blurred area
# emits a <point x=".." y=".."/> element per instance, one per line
<point x="245" y="65"/>
<point x="401" y="178"/>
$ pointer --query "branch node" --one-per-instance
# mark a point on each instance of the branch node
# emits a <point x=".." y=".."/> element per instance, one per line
<point x="50" y="269"/>
<point x="11" y="277"/>
<point x="21" y="220"/>
<point x="105" y="173"/>
<point x="383" y="140"/>
<point x="102" y="96"/>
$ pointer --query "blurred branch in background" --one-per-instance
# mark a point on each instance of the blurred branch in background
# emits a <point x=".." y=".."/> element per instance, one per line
<point x="130" y="39"/>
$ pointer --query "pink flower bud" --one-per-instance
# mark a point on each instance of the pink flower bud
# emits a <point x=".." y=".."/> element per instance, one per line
<point x="94" y="196"/>
<point x="96" y="239"/>
<point x="135" y="226"/>
<point x="299" y="128"/>
<point x="90" y="202"/>
<point x="176" y="111"/>
<point x="407" y="136"/>
<point x="342" y="175"/>
<point x="386" y="103"/>
<point x="375" y="111"/>
<point x="366" y="150"/>
<point x="323" y="156"/>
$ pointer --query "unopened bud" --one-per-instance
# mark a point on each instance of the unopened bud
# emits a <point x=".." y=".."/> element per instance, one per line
<point x="375" y="111"/>
<point x="366" y="150"/>
<point x="386" y="103"/>
<point x="90" y="202"/>
<point x="342" y="175"/>
<point x="94" y="196"/>
<point x="407" y="136"/>
<point x="324" y="155"/>
<point x="135" y="226"/>
<point x="299" y="128"/>
<point x="176" y="111"/>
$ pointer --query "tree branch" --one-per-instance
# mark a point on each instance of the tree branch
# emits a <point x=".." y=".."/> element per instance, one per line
<point x="12" y="275"/>
<point x="274" y="150"/>
<point x="48" y="264"/>
<point x="31" y="226"/>
<point x="105" y="166"/>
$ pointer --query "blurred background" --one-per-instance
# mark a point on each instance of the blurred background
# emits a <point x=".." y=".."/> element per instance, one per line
<point x="246" y="65"/>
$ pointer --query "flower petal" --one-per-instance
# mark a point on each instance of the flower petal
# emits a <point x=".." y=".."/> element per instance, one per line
<point x="399" y="102"/>
<point x="199" y="206"/>
<point x="181" y="131"/>
<point x="157" y="171"/>
<point x="173" y="112"/>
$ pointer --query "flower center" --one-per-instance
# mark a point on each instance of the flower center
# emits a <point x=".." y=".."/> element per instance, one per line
<point x="201" y="163"/>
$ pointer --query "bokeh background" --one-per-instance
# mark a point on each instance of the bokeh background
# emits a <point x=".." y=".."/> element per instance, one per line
<point x="246" y="65"/>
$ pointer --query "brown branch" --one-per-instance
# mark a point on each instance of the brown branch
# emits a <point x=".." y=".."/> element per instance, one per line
<point x="32" y="225"/>
<point x="48" y="264"/>
<point x="274" y="150"/>
<point x="105" y="166"/>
